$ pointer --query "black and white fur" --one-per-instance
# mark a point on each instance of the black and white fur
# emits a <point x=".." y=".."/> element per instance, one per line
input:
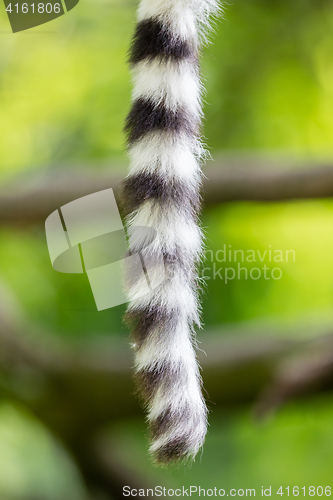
<point x="162" y="192"/>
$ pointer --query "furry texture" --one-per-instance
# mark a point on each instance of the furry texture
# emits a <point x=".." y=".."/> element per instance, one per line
<point x="162" y="192"/>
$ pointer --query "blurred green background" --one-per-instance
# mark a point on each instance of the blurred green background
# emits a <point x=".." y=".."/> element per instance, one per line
<point x="64" y="93"/>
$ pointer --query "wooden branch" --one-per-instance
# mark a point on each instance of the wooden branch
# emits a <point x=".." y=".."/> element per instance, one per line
<point x="232" y="179"/>
<point x="30" y="202"/>
<point x="267" y="184"/>
<point x="308" y="371"/>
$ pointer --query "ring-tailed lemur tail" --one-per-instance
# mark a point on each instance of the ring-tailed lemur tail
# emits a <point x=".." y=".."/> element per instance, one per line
<point x="162" y="192"/>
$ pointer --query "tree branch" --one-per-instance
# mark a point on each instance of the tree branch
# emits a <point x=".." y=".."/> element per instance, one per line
<point x="308" y="371"/>
<point x="233" y="179"/>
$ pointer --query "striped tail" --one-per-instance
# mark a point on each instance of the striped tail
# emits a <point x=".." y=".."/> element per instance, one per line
<point x="162" y="192"/>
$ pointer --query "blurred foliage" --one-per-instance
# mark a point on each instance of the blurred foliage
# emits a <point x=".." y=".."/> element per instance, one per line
<point x="298" y="233"/>
<point x="64" y="93"/>
<point x="295" y="448"/>
<point x="269" y="80"/>
<point x="65" y="87"/>
<point x="32" y="464"/>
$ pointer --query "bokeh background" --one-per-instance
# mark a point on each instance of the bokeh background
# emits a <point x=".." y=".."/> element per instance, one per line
<point x="64" y="93"/>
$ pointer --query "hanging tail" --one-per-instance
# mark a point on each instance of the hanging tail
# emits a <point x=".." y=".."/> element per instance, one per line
<point x="162" y="192"/>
